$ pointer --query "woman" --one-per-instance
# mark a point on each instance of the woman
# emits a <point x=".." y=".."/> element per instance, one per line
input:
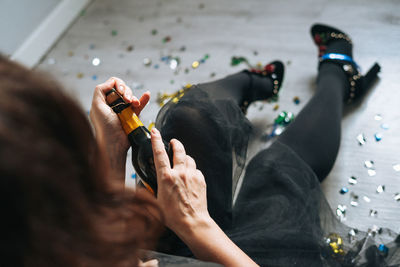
<point x="281" y="216"/>
<point x="66" y="205"/>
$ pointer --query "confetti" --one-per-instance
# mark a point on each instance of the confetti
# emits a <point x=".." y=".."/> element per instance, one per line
<point x="369" y="164"/>
<point x="396" y="196"/>
<point x="237" y="60"/>
<point x="166" y="39"/>
<point x="384" y="126"/>
<point x="366" y="199"/>
<point x="173" y="63"/>
<point x="151" y="125"/>
<point x="276" y="107"/>
<point x="361" y="139"/>
<point x="201" y="6"/>
<point x="51" y="61"/>
<point x="352" y="180"/>
<point x="94" y="77"/>
<point x="384" y="249"/>
<point x="396" y="167"/>
<point x="335" y="242"/>
<point x="212" y="74"/>
<point x="156" y="66"/>
<point x="133" y="175"/>
<point x="96" y="61"/>
<point x="296" y="100"/>
<point x="353" y="199"/>
<point x="380" y="189"/>
<point x="182" y="49"/>
<point x="114" y="33"/>
<point x="70" y="53"/>
<point x="371" y="172"/>
<point x="378" y="117"/>
<point x="147" y="62"/>
<point x="79" y="75"/>
<point x="341" y="212"/>
<point x="92" y="46"/>
<point x="255" y="52"/>
<point x="195" y="64"/>
<point x="130" y="48"/>
<point x="154" y="32"/>
<point x="343" y="190"/>
<point x="352" y="235"/>
<point x="378" y="137"/>
<point x="374" y="230"/>
<point x="186" y="70"/>
<point x="373" y="213"/>
<point x="137" y="86"/>
<point x="171" y="81"/>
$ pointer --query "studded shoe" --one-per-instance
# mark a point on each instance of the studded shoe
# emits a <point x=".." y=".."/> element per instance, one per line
<point x="322" y="36"/>
<point x="274" y="71"/>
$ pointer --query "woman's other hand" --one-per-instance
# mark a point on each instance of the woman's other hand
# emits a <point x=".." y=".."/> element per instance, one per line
<point x="181" y="189"/>
<point x="109" y="133"/>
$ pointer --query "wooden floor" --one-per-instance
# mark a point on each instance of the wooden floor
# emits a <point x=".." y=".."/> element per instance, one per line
<point x="120" y="34"/>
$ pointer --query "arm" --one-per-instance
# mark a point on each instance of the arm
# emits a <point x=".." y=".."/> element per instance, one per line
<point x="109" y="133"/>
<point x="182" y="197"/>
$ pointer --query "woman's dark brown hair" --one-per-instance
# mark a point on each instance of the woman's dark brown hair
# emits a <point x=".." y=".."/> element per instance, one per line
<point x="58" y="206"/>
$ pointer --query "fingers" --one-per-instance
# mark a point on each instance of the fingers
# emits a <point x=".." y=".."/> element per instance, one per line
<point x="150" y="263"/>
<point x="144" y="99"/>
<point x="161" y="160"/>
<point x="179" y="154"/>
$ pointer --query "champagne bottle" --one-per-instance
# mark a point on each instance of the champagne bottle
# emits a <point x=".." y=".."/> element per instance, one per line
<point x="140" y="140"/>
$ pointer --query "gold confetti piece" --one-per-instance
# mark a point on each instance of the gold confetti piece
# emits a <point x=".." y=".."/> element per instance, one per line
<point x="276" y="107"/>
<point x="79" y="75"/>
<point x="195" y="64"/>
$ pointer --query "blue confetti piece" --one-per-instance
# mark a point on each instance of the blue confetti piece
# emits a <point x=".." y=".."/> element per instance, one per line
<point x="94" y="77"/>
<point x="133" y="176"/>
<point x="156" y="66"/>
<point x="384" y="126"/>
<point x="202" y="60"/>
<point x="378" y="137"/>
<point x="384" y="249"/>
<point x="92" y="46"/>
<point x="344" y="190"/>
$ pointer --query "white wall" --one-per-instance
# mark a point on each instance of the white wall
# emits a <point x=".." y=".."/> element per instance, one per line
<point x="19" y="18"/>
<point x="29" y="28"/>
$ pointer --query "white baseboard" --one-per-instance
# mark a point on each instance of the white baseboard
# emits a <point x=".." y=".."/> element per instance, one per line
<point x="47" y="33"/>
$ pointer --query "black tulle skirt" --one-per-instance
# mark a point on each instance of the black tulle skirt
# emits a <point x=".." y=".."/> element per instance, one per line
<point x="281" y="216"/>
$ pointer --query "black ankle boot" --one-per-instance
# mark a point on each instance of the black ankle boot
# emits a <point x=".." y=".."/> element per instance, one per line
<point x="274" y="71"/>
<point x="323" y="36"/>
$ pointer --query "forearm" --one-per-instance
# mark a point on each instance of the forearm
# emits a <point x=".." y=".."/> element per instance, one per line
<point x="209" y="243"/>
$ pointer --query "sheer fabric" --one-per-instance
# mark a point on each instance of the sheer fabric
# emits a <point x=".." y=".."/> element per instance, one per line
<point x="281" y="217"/>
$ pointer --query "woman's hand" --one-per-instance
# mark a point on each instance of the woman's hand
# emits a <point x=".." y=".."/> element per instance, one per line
<point x="181" y="189"/>
<point x="109" y="133"/>
<point x="182" y="198"/>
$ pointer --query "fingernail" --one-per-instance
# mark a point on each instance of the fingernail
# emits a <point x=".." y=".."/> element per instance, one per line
<point x="154" y="131"/>
<point x="121" y="87"/>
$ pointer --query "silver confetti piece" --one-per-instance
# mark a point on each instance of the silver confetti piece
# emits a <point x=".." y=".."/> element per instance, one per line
<point x="378" y="117"/>
<point x="396" y="167"/>
<point x="361" y="139"/>
<point x="371" y="172"/>
<point x="147" y="62"/>
<point x="352" y="180"/>
<point x="341" y="212"/>
<point x="380" y="189"/>
<point x="369" y="164"/>
<point x="397" y="196"/>
<point x="96" y="61"/>
<point x="366" y="199"/>
<point x="373" y="213"/>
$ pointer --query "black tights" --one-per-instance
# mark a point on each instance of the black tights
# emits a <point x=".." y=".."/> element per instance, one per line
<point x="315" y="133"/>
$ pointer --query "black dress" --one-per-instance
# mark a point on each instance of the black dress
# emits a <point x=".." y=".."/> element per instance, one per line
<point x="280" y="217"/>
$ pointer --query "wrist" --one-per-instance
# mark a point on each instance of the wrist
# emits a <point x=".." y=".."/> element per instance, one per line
<point x="191" y="227"/>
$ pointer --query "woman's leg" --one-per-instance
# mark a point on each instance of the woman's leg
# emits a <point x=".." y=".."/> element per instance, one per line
<point x="315" y="133"/>
<point x="211" y="127"/>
